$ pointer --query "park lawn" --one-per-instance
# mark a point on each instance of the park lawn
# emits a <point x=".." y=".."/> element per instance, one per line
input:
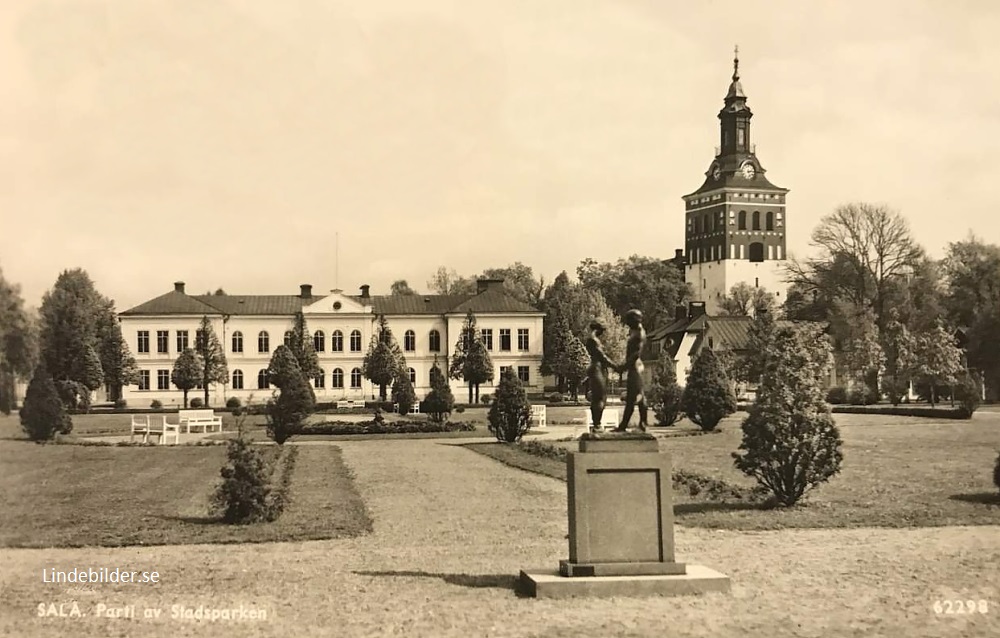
<point x="897" y="472"/>
<point x="85" y="425"/>
<point x="80" y="496"/>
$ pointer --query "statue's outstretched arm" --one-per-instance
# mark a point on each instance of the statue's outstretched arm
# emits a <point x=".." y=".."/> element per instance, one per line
<point x="603" y="357"/>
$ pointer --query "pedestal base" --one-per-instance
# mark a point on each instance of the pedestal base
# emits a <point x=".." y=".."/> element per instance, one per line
<point x="548" y="583"/>
<point x="568" y="568"/>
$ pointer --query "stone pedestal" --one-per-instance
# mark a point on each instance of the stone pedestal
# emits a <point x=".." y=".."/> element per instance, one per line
<point x="621" y="526"/>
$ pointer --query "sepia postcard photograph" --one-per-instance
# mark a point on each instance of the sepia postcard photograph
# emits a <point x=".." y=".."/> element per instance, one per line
<point x="499" y="318"/>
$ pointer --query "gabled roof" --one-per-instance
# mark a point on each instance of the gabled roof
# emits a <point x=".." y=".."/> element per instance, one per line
<point x="174" y="303"/>
<point x="493" y="300"/>
<point x="415" y="304"/>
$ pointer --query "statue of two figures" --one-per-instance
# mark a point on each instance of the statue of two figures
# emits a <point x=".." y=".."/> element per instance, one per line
<point x="631" y="368"/>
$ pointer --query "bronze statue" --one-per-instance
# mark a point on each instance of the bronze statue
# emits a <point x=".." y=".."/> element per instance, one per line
<point x="597" y="374"/>
<point x="632" y="369"/>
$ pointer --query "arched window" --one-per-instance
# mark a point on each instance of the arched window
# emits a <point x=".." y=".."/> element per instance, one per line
<point x="263" y="342"/>
<point x="434" y="341"/>
<point x="769" y="221"/>
<point x="356" y="378"/>
<point x="320" y="380"/>
<point x="288" y="338"/>
<point x="756" y="251"/>
<point x="237" y="379"/>
<point x="743" y="220"/>
<point x="356" y="342"/>
<point x="319" y="341"/>
<point x="413" y="376"/>
<point x="756" y="220"/>
<point x="337" y="342"/>
<point x="237" y="341"/>
<point x="263" y="383"/>
<point x="410" y="341"/>
<point x="338" y="378"/>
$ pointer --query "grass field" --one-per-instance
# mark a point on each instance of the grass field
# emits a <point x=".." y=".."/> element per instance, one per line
<point x="897" y="472"/>
<point x="76" y="496"/>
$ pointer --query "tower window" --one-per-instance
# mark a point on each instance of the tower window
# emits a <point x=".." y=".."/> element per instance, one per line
<point x="704" y="284"/>
<point x="756" y="220"/>
<point x="777" y="251"/>
<point x="770" y="252"/>
<point x="743" y="220"/>
<point x="756" y="282"/>
<point x="756" y="251"/>
<point x="769" y="221"/>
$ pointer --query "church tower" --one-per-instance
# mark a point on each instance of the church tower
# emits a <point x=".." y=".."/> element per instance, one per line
<point x="735" y="222"/>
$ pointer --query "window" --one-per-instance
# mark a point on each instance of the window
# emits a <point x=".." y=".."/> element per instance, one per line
<point x="522" y="339"/>
<point x="320" y="380"/>
<point x="319" y="341"/>
<point x="704" y="284"/>
<point x="356" y="342"/>
<point x="743" y="220"/>
<point x="409" y="341"/>
<point x="523" y="374"/>
<point x="143" y="379"/>
<point x="757" y="251"/>
<point x="505" y="339"/>
<point x="413" y="376"/>
<point x="740" y="139"/>
<point x="756" y="220"/>
<point x="142" y="344"/>
<point x="732" y="251"/>
<point x="162" y="341"/>
<point x="434" y="341"/>
<point x="486" y="334"/>
<point x="288" y="338"/>
<point x="337" y="342"/>
<point x="337" y="381"/>
<point x="770" y="252"/>
<point x="777" y="250"/>
<point x="769" y="221"/>
<point x="163" y="379"/>
<point x="237" y="379"/>
<point x="263" y="342"/>
<point x="237" y="341"/>
<point x="182" y="340"/>
<point x="356" y="378"/>
<point x="263" y="383"/>
<point x="741" y="251"/>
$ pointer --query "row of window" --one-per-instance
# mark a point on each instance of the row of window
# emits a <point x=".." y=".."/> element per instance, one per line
<point x="336" y="340"/>
<point x="336" y="378"/>
<point x="754" y="252"/>
<point x="698" y="224"/>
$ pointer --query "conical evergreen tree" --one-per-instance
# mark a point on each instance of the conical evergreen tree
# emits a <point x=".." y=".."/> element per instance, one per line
<point x="708" y="397"/>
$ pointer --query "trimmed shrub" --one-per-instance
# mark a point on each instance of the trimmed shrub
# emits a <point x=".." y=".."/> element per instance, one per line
<point x="664" y="395"/>
<point x="708" y="397"/>
<point x="156" y="404"/>
<point x="286" y="414"/>
<point x="460" y="409"/>
<point x="969" y="392"/>
<point x="233" y="402"/>
<point x="836" y="395"/>
<point x="196" y="403"/>
<point x="861" y="396"/>
<point x="556" y="397"/>
<point x="901" y="410"/>
<point x="439" y="402"/>
<point x="243" y="496"/>
<point x="402" y="392"/>
<point x="486" y="399"/>
<point x="371" y="427"/>
<point x="121" y="404"/>
<point x="996" y="473"/>
<point x="43" y="413"/>
<point x="790" y="441"/>
<point x="510" y="414"/>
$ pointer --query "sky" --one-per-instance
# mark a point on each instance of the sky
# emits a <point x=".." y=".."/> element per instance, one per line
<point x="236" y="143"/>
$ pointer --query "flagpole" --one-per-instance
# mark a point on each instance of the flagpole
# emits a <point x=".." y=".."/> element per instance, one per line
<point x="336" y="259"/>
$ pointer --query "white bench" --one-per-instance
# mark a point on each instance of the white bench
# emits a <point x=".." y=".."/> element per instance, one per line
<point x="203" y="419"/>
<point x="141" y="424"/>
<point x="538" y="415"/>
<point x="608" y="419"/>
<point x="350" y="405"/>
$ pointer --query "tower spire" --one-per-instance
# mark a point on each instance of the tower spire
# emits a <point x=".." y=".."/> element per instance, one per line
<point x="736" y="63"/>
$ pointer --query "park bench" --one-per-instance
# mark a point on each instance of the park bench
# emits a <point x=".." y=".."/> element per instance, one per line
<point x="144" y="425"/>
<point x="538" y="416"/>
<point x="608" y="419"/>
<point x="204" y="419"/>
<point x="350" y="405"/>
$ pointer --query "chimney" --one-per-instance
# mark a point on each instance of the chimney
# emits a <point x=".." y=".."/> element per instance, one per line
<point x="696" y="309"/>
<point x="305" y="291"/>
<point x="179" y="287"/>
<point x="482" y="285"/>
<point x="364" y="291"/>
<point x="680" y="312"/>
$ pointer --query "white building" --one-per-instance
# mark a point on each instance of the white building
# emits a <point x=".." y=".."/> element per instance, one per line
<point x="250" y="327"/>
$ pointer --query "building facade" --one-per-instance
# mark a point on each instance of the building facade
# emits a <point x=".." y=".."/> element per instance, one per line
<point x="250" y="328"/>
<point x="736" y="222"/>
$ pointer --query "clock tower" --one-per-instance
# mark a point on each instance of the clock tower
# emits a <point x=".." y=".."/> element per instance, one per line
<point x="735" y="222"/>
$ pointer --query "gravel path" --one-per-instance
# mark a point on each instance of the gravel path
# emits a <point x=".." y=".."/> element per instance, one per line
<point x="452" y="530"/>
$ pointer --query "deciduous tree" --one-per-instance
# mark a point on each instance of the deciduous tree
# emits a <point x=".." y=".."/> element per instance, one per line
<point x="18" y="343"/>
<point x="471" y="361"/>
<point x="652" y="285"/>
<point x="446" y="281"/>
<point x="745" y="300"/>
<point x="400" y="288"/>
<point x="213" y="357"/>
<point x="187" y="373"/>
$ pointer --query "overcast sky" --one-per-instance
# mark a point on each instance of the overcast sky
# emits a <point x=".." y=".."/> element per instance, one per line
<point x="225" y="142"/>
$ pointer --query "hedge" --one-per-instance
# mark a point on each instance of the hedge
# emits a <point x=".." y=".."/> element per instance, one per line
<point x="370" y="427"/>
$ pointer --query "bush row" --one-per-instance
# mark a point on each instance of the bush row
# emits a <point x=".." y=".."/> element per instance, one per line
<point x="903" y="410"/>
<point x="372" y="427"/>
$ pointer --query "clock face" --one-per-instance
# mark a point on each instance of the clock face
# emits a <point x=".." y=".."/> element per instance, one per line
<point x="716" y="172"/>
<point x="748" y="171"/>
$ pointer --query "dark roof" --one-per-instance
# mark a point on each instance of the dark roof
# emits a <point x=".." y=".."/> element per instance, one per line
<point x="174" y="303"/>
<point x="732" y="177"/>
<point x="726" y="331"/>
